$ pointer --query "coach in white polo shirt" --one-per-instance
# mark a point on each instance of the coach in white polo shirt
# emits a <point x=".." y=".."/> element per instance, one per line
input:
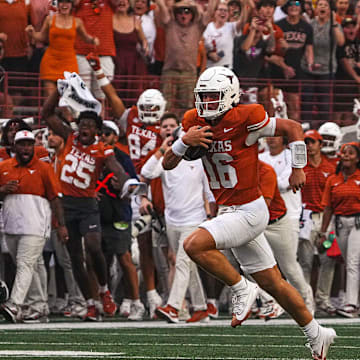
<point x="184" y="188"/>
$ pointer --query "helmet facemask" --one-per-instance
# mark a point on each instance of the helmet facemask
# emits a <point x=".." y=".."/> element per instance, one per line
<point x="151" y="106"/>
<point x="216" y="86"/>
<point x="149" y="113"/>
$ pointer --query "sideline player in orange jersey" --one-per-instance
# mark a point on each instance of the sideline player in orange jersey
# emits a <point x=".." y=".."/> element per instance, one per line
<point x="9" y="131"/>
<point x="230" y="132"/>
<point x="84" y="157"/>
<point x="141" y="124"/>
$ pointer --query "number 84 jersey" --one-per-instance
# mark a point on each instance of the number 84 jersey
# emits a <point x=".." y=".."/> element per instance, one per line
<point x="81" y="166"/>
<point x="141" y="137"/>
<point x="232" y="166"/>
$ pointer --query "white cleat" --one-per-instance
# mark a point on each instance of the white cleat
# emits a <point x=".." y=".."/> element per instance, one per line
<point x="242" y="302"/>
<point x="319" y="346"/>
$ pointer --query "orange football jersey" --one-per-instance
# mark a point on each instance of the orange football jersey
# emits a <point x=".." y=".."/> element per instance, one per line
<point x="230" y="165"/>
<point x="142" y="138"/>
<point x="81" y="166"/>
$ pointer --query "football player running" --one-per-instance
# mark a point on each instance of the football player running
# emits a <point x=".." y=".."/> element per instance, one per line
<point x="231" y="167"/>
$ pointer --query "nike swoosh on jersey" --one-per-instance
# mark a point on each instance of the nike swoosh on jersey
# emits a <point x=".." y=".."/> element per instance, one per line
<point x="227" y="130"/>
<point x="31" y="171"/>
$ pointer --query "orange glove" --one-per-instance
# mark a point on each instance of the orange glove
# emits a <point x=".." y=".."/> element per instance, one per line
<point x="93" y="61"/>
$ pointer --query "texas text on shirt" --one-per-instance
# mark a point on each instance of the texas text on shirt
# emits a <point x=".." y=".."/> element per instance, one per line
<point x="142" y="138"/>
<point x="343" y="196"/>
<point x="39" y="151"/>
<point x="37" y="185"/>
<point x="315" y="183"/>
<point x="235" y="162"/>
<point x="270" y="190"/>
<point x="81" y="166"/>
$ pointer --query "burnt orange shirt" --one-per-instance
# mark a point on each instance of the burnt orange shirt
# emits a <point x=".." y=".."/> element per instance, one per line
<point x="157" y="194"/>
<point x="40" y="152"/>
<point x="81" y="166"/>
<point x="98" y="22"/>
<point x="142" y="138"/>
<point x="270" y="190"/>
<point x="34" y="178"/>
<point x="13" y="21"/>
<point x="315" y="183"/>
<point x="230" y="165"/>
<point x="343" y="196"/>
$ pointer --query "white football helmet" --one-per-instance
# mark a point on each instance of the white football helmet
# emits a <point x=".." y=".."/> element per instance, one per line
<point x="151" y="106"/>
<point x="332" y="137"/>
<point x="220" y="80"/>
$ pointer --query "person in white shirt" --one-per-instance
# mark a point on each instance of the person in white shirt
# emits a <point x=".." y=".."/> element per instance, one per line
<point x="184" y="211"/>
<point x="279" y="157"/>
<point x="219" y="38"/>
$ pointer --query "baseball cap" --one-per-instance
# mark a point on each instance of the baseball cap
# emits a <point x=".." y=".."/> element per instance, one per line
<point x="313" y="134"/>
<point x="111" y="125"/>
<point x="24" y="135"/>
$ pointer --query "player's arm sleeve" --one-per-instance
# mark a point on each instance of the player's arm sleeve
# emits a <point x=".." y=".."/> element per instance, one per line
<point x="259" y="124"/>
<point x="152" y="168"/>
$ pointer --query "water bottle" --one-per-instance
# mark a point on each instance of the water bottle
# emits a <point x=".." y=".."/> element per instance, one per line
<point x="328" y="242"/>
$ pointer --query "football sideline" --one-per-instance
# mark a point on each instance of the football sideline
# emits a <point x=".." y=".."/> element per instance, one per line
<point x="276" y="339"/>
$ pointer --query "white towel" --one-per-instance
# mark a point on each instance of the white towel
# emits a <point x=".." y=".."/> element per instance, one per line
<point x="76" y="95"/>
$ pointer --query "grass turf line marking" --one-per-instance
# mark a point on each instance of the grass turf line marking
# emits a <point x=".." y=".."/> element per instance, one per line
<point x="165" y="344"/>
<point x="45" y="353"/>
<point x="164" y="324"/>
<point x="94" y="333"/>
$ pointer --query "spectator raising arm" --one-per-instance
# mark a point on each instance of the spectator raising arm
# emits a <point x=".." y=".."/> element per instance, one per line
<point x="116" y="103"/>
<point x="51" y="119"/>
<point x="163" y="12"/>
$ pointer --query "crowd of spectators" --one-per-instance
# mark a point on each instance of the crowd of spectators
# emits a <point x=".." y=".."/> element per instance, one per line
<point x="271" y="45"/>
<point x="114" y="45"/>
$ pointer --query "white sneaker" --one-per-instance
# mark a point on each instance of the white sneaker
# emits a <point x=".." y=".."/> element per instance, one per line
<point x="137" y="312"/>
<point x="319" y="346"/>
<point x="155" y="302"/>
<point x="242" y="302"/>
<point x="125" y="308"/>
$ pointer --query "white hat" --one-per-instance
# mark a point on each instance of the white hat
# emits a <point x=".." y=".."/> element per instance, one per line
<point x="24" y="135"/>
<point x="111" y="125"/>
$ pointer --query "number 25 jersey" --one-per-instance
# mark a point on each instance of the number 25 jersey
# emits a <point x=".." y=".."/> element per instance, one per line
<point x="232" y="166"/>
<point x="81" y="166"/>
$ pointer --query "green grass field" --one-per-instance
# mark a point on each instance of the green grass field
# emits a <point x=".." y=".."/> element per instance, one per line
<point x="158" y="340"/>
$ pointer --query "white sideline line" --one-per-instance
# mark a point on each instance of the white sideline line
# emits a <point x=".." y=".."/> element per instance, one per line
<point x="99" y="344"/>
<point x="46" y="353"/>
<point x="93" y="333"/>
<point x="164" y="324"/>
